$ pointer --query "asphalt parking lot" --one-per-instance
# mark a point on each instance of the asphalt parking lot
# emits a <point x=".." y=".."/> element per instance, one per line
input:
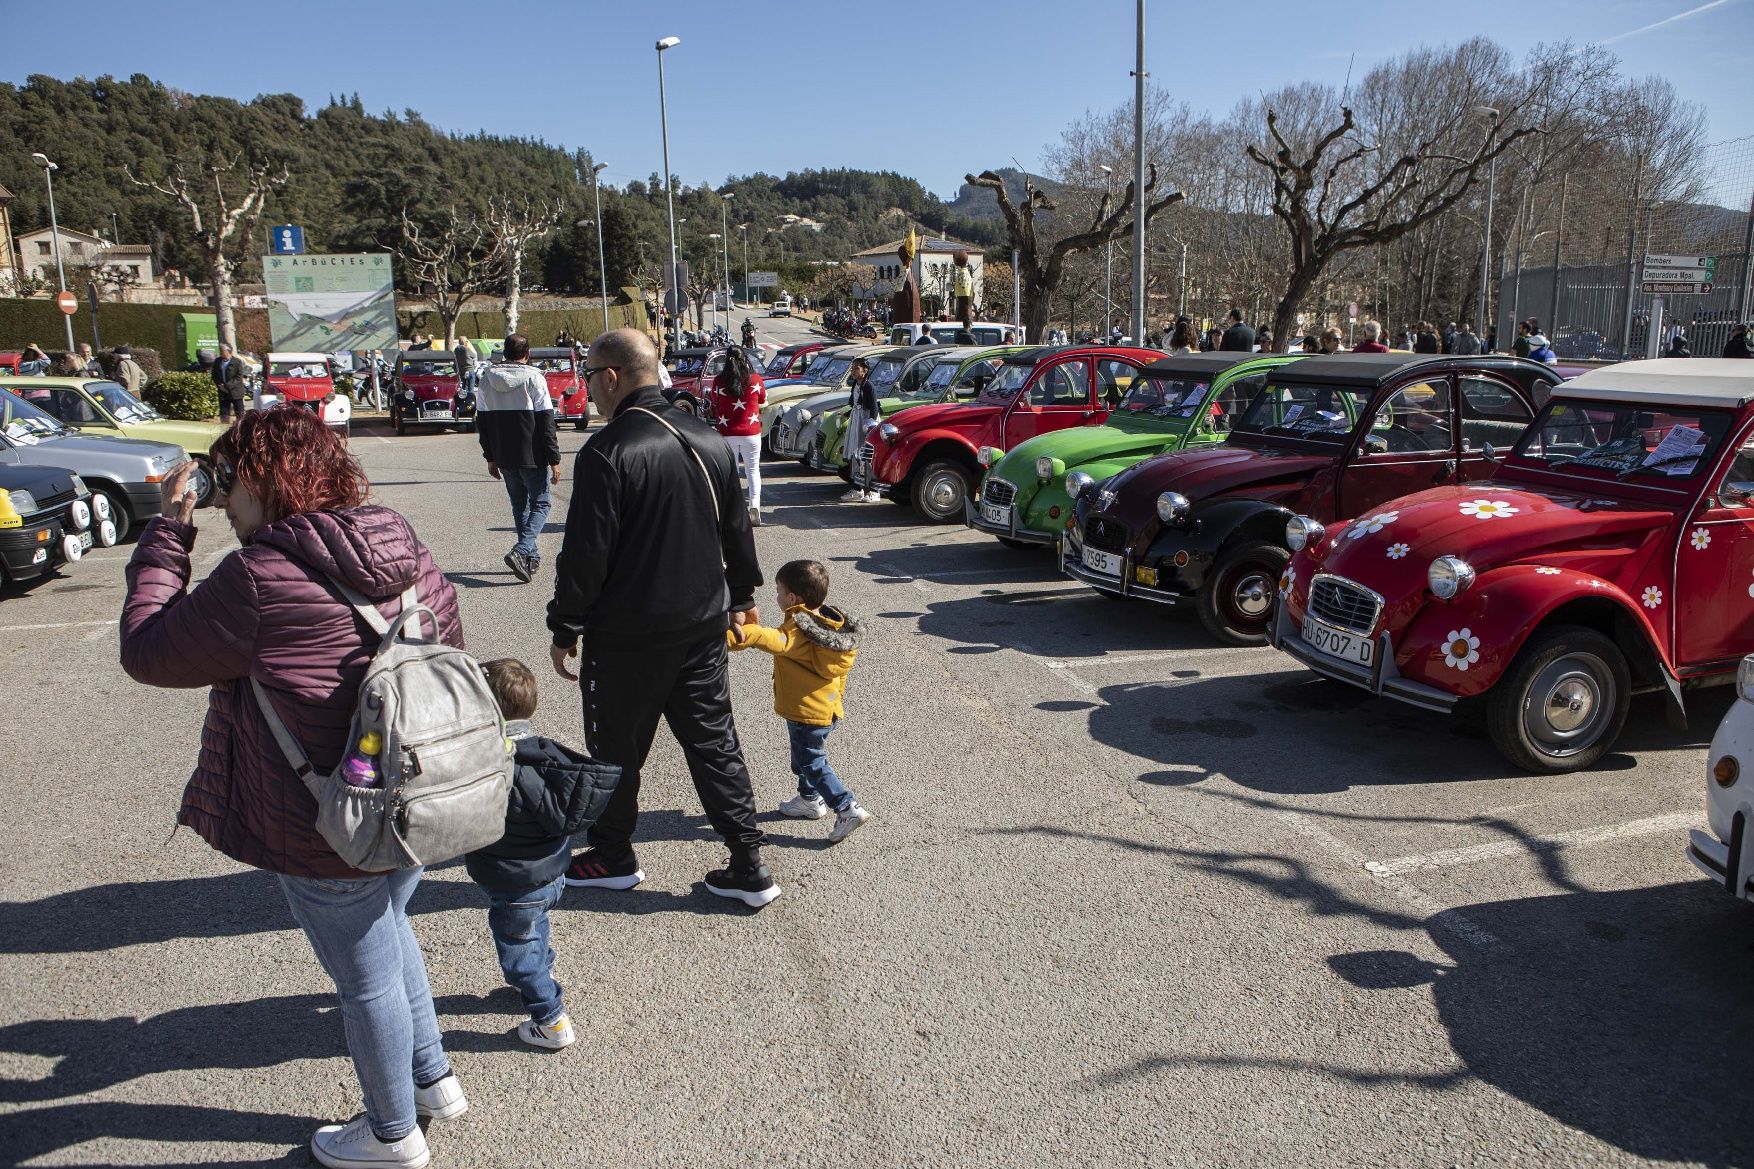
<point x="1128" y="898"/>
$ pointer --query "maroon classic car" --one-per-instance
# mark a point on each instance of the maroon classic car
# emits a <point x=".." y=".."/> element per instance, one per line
<point x="1613" y="552"/>
<point x="1326" y="437"/>
<point x="930" y="456"/>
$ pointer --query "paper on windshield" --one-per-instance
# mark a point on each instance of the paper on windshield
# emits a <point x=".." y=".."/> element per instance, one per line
<point x="1679" y="451"/>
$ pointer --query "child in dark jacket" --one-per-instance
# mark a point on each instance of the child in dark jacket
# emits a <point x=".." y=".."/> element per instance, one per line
<point x="556" y="792"/>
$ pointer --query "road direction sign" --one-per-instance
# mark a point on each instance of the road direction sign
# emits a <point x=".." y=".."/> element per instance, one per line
<point x="286" y="240"/>
<point x="1666" y="275"/>
<point x="764" y="280"/>
<point x="67" y="302"/>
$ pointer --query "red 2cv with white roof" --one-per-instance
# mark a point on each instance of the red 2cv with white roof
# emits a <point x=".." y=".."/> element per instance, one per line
<point x="1612" y="552"/>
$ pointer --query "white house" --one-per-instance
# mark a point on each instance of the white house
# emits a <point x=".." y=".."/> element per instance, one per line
<point x="36" y="251"/>
<point x="937" y="271"/>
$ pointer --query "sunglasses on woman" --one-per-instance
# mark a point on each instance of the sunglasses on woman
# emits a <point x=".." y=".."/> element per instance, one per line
<point x="225" y="476"/>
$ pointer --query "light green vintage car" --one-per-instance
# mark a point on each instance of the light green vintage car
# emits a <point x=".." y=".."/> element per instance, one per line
<point x="1180" y="402"/>
<point x="100" y="406"/>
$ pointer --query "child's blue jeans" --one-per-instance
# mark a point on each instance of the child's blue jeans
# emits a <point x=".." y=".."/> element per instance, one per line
<point x="519" y="922"/>
<point x="816" y="779"/>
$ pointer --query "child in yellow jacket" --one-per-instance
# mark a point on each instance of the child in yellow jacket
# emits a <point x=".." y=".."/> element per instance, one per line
<point x="813" y="651"/>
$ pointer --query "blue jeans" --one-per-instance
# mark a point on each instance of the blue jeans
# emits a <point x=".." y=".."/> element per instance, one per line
<point x="528" y="488"/>
<point x="519" y="922"/>
<point x="816" y="779"/>
<point x="360" y="931"/>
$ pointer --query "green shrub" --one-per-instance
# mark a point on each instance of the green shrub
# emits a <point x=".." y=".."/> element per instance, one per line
<point x="344" y="385"/>
<point x="177" y="394"/>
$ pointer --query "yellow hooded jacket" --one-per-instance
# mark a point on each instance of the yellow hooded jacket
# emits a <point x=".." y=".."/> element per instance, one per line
<point x="813" y="652"/>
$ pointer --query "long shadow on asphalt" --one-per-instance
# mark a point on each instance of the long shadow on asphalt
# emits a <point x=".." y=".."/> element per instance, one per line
<point x="1060" y="620"/>
<point x="1622" y="1014"/>
<point x="40" y="1132"/>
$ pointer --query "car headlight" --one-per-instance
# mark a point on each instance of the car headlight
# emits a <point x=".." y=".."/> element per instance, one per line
<point x="79" y="487"/>
<point x="1048" y="468"/>
<point x="888" y="431"/>
<point x="1173" y="507"/>
<point x="1077" y="483"/>
<point x="23" y="502"/>
<point x="988" y="455"/>
<point x="1301" y="532"/>
<point x="1745" y="678"/>
<point x="1726" y="771"/>
<point x="1449" y="577"/>
<point x="804" y="416"/>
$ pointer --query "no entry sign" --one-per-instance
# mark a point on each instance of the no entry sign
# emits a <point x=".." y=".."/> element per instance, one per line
<point x="67" y="302"/>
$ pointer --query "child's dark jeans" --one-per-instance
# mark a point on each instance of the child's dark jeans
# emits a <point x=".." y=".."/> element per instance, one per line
<point x="519" y="922"/>
<point x="816" y="779"/>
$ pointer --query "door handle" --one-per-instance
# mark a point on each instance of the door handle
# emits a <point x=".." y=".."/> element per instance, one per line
<point x="1449" y="468"/>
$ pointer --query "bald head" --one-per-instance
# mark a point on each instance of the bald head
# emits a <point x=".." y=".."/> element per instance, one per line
<point x="631" y="352"/>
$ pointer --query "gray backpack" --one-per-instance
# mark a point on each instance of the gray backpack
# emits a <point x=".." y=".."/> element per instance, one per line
<point x="445" y="768"/>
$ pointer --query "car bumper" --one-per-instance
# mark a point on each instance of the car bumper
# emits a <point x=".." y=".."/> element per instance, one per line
<point x="1072" y="564"/>
<point x="144" y="499"/>
<point x="788" y="443"/>
<point x="1380" y="677"/>
<point x="1010" y="531"/>
<point x="1727" y="863"/>
<point x="30" y="551"/>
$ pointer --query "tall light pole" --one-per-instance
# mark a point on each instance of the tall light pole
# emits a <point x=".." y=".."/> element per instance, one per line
<point x="669" y="195"/>
<point x="725" y="247"/>
<point x="1108" y="264"/>
<point x="602" y="268"/>
<point x="1139" y="183"/>
<point x="1486" y="223"/>
<point x="712" y="235"/>
<point x="747" y="292"/>
<point x="49" y="170"/>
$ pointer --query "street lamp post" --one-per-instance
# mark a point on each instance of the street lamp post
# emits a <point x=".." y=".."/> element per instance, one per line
<point x="602" y="268"/>
<point x="1108" y="265"/>
<point x="669" y="196"/>
<point x="747" y="294"/>
<point x="49" y="170"/>
<point x="1139" y="181"/>
<point x="1486" y="225"/>
<point x="725" y="250"/>
<point x="716" y="235"/>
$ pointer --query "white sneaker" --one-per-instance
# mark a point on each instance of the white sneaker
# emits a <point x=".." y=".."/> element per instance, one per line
<point x="846" y="823"/>
<point x="870" y="497"/>
<point x="442" y="1100"/>
<point x="354" y="1146"/>
<point x="804" y="808"/>
<point x="552" y="1037"/>
<point x="755" y="517"/>
<point x="853" y="496"/>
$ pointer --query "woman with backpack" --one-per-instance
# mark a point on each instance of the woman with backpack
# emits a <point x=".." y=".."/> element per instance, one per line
<point x="734" y="404"/>
<point x="274" y="612"/>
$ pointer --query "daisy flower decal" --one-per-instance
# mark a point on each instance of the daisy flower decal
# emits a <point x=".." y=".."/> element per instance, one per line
<point x="1547" y="570"/>
<point x="1375" y="523"/>
<point x="1289" y="578"/>
<point x="1396" y="551"/>
<point x="1700" y="539"/>
<point x="1461" y="649"/>
<point x="1488" y="509"/>
<point x="1652" y="596"/>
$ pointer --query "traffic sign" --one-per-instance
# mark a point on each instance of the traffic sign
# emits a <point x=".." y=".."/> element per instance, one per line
<point x="1352" y="310"/>
<point x="1677" y="287"/>
<point x="764" y="280"/>
<point x="1666" y="275"/>
<point x="67" y="302"/>
<point x="286" y="240"/>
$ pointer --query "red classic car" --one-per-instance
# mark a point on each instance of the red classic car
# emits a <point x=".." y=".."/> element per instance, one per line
<point x="1611" y="553"/>
<point x="560" y="368"/>
<point x="931" y="456"/>
<point x="426" y="391"/>
<point x="1326" y="436"/>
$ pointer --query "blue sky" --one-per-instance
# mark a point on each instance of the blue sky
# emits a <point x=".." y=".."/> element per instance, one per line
<point x="929" y="89"/>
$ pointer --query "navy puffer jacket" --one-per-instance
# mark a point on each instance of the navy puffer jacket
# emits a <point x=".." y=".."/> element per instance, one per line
<point x="556" y="792"/>
<point x="267" y="611"/>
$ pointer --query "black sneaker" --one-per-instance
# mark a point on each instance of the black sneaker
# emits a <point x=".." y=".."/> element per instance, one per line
<point x="591" y="869"/>
<point x="753" y="887"/>
<point x="519" y="566"/>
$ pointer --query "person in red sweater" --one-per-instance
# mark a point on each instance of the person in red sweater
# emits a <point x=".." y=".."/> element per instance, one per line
<point x="1372" y="342"/>
<point x="734" y="404"/>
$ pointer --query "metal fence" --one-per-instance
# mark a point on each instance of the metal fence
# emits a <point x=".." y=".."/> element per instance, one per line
<point x="1591" y="304"/>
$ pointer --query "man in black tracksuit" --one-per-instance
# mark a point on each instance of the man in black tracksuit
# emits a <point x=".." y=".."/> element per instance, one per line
<point x="658" y="561"/>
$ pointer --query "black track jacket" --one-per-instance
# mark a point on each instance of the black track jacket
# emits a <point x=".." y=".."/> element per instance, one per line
<point x="643" y="561"/>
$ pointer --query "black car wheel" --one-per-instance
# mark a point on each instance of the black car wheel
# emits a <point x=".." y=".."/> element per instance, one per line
<point x="1236" y="602"/>
<point x="940" y="488"/>
<point x="1563" y="702"/>
<point x="201" y="481"/>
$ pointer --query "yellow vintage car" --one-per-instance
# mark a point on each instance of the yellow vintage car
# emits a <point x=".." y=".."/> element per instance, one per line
<point x="98" y="405"/>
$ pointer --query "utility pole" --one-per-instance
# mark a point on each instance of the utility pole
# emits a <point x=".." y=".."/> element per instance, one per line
<point x="1558" y="257"/>
<point x="1486" y="226"/>
<point x="602" y="268"/>
<point x="1747" y="267"/>
<point x="1108" y="266"/>
<point x="677" y="296"/>
<point x="1181" y="286"/>
<point x="1632" y="264"/>
<point x="1139" y="182"/>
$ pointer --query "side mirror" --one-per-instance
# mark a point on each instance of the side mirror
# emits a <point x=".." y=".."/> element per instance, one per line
<point x="1375" y="444"/>
<point x="1736" y="495"/>
<point x="1490" y="454"/>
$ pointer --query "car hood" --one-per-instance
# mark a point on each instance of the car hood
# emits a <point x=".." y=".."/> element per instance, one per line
<point x="52" y="450"/>
<point x="962" y="416"/>
<point x="817" y="403"/>
<point x="1078" y="445"/>
<point x="1390" y="547"/>
<point x="1217" y="470"/>
<point x="191" y="436"/>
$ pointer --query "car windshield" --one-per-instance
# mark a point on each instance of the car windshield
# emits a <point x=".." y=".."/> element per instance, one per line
<point x="119" y="402"/>
<point x="297" y="369"/>
<point x="1318" y="413"/>
<point x="830" y="372"/>
<point x="552" y="364"/>
<point x="1619" y="441"/>
<point x="885" y="374"/>
<point x="24" y="423"/>
<point x="1163" y="397"/>
<point x="428" y="368"/>
<point x="687" y="364"/>
<point x="942" y="377"/>
<point x="1008" y="381"/>
<point x="778" y="366"/>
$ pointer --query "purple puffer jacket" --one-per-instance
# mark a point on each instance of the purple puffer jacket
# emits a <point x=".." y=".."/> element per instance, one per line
<point x="268" y="612"/>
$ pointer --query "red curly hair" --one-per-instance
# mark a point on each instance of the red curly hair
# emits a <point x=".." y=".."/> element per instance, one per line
<point x="292" y="462"/>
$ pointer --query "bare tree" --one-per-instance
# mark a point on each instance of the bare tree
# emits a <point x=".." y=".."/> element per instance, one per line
<point x="454" y="259"/>
<point x="516" y="224"/>
<point x="220" y="219"/>
<point x="1042" y="273"/>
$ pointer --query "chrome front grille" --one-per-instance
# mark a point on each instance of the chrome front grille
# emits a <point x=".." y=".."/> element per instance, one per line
<point x="1336" y="601"/>
<point x="998" y="492"/>
<point x="821" y="440"/>
<point x="866" y="450"/>
<point x="1105" y="534"/>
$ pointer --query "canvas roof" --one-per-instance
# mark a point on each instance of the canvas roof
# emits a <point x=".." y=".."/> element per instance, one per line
<point x="1683" y="381"/>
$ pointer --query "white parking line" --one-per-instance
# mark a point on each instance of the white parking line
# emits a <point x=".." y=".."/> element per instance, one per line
<point x="58" y="625"/>
<point x="1451" y="919"/>
<point x="1500" y="849"/>
<point x="1173" y="655"/>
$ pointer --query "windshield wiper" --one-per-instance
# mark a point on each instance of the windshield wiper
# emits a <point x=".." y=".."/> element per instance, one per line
<point x="1672" y="460"/>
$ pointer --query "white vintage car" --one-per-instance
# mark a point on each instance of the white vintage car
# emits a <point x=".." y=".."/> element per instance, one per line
<point x="1724" y="851"/>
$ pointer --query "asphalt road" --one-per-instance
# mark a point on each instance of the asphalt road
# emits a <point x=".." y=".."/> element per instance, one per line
<point x="1127" y="899"/>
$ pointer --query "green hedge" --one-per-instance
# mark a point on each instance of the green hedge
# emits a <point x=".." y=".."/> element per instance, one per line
<point x="541" y="326"/>
<point x="153" y="326"/>
<point x="179" y="394"/>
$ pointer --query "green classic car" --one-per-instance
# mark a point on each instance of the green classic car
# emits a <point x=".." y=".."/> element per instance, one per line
<point x="97" y="406"/>
<point x="1179" y="402"/>
<point x="958" y="378"/>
